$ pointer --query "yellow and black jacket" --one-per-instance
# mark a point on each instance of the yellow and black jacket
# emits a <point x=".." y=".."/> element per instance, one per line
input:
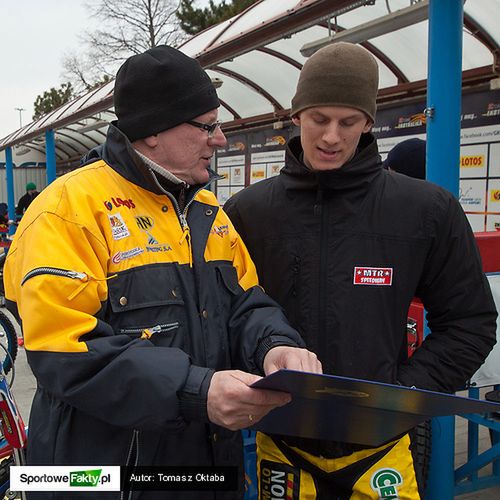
<point x="128" y="305"/>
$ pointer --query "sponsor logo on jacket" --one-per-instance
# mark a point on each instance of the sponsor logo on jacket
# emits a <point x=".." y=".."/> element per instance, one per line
<point x="144" y="222"/>
<point x="119" y="229"/>
<point x="220" y="230"/>
<point x="385" y="482"/>
<point x="127" y="254"/>
<point x="381" y="276"/>
<point x="278" y="481"/>
<point x="118" y="202"/>
<point x="159" y="248"/>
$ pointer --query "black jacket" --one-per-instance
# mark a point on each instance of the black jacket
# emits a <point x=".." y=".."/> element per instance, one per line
<point x="344" y="252"/>
<point x="25" y="201"/>
<point x="128" y="305"/>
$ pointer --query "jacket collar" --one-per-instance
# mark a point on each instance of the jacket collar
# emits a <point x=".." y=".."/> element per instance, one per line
<point x="358" y="172"/>
<point x="120" y="155"/>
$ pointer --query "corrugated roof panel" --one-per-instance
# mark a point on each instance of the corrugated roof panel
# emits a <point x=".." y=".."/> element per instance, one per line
<point x="487" y="14"/>
<point x="257" y="14"/>
<point x="402" y="49"/>
<point x="274" y="65"/>
<point x="255" y="66"/>
<point x="198" y="43"/>
<point x="241" y="97"/>
<point x="475" y="54"/>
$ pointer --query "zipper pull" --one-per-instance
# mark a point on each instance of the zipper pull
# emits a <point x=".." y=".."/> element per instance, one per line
<point x="85" y="282"/>
<point x="185" y="228"/>
<point x="183" y="221"/>
<point x="185" y="235"/>
<point x="77" y="275"/>
<point x="146" y="333"/>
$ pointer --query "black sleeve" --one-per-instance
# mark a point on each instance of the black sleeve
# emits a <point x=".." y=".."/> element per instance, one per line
<point x="21" y="205"/>
<point x="230" y="207"/>
<point x="461" y="313"/>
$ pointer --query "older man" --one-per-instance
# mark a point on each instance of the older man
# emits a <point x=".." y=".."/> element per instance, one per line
<point x="142" y="318"/>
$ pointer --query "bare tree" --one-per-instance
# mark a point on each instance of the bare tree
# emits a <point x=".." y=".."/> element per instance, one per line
<point x="126" y="27"/>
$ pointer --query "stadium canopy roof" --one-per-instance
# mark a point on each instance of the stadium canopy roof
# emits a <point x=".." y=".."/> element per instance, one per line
<point x="255" y="58"/>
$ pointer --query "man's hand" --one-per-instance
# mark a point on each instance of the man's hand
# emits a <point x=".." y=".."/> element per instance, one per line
<point x="292" y="358"/>
<point x="233" y="404"/>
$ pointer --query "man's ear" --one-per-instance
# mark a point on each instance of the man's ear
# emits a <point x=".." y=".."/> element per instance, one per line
<point x="368" y="126"/>
<point x="296" y="120"/>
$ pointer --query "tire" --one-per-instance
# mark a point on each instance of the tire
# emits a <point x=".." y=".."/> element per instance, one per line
<point x="8" y="338"/>
<point x="421" y="453"/>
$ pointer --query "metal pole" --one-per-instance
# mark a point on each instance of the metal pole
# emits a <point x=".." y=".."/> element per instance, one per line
<point x="443" y="159"/>
<point x="50" y="155"/>
<point x="444" y="93"/>
<point x="11" y="202"/>
<point x="20" y="116"/>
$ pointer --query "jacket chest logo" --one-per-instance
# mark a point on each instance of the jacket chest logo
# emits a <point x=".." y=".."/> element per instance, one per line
<point x="220" y="230"/>
<point x="118" y="202"/>
<point x="378" y="276"/>
<point x="119" y="229"/>
<point x="144" y="222"/>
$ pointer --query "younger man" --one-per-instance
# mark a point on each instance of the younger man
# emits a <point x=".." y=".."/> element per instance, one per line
<point x="321" y="230"/>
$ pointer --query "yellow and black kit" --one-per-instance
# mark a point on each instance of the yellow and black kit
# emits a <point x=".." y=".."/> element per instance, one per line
<point x="128" y="304"/>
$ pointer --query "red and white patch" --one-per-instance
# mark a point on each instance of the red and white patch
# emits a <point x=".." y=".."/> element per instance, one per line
<point x="377" y="276"/>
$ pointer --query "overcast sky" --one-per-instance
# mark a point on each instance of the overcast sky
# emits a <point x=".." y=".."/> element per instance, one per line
<point x="34" y="36"/>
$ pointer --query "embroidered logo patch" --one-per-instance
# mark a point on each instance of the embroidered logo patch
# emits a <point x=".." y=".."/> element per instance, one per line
<point x="381" y="276"/>
<point x="144" y="222"/>
<point x="385" y="483"/>
<point x="279" y="481"/>
<point x="159" y="248"/>
<point x="220" y="230"/>
<point x="118" y="202"/>
<point x="118" y="227"/>
<point x="127" y="254"/>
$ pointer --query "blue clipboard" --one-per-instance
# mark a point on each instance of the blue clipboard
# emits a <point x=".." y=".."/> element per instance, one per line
<point x="344" y="409"/>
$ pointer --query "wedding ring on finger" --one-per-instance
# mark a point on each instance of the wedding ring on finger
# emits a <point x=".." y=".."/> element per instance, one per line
<point x="250" y="417"/>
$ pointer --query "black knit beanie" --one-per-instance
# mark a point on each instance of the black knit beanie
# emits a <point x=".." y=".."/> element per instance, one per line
<point x="159" y="89"/>
<point x="340" y="74"/>
<point x="408" y="157"/>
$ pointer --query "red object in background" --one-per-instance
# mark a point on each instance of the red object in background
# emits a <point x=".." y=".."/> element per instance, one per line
<point x="489" y="248"/>
<point x="415" y="326"/>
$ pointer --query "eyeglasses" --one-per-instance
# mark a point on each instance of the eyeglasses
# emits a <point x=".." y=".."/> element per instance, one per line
<point x="210" y="128"/>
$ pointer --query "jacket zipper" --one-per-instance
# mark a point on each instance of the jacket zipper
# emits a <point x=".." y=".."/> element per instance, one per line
<point x="323" y="270"/>
<point x="54" y="271"/>
<point x="135" y="441"/>
<point x="167" y="327"/>
<point x="182" y="215"/>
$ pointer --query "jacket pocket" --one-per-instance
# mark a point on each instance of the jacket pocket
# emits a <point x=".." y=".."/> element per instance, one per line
<point x="226" y="289"/>
<point x="229" y="278"/>
<point x="148" y="302"/>
<point x="225" y="292"/>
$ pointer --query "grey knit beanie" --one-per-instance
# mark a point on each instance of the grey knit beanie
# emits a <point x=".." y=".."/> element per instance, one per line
<point x="340" y="74"/>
